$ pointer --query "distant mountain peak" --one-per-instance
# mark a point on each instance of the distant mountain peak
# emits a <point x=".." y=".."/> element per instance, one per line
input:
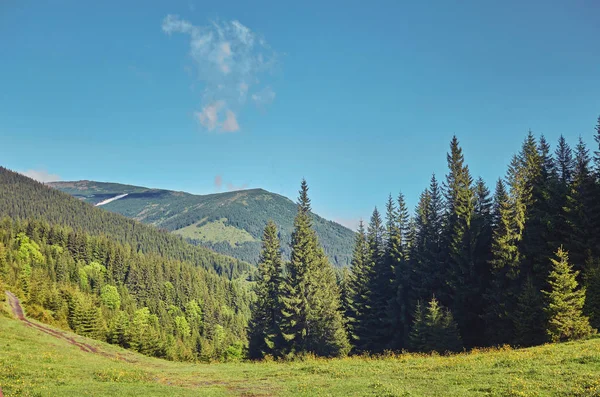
<point x="229" y="222"/>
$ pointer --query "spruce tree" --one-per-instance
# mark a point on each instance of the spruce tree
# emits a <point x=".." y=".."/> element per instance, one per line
<point x="481" y="232"/>
<point x="435" y="330"/>
<point x="564" y="161"/>
<point x="582" y="241"/>
<point x="460" y="242"/>
<point x="565" y="302"/>
<point x="375" y="313"/>
<point x="358" y="285"/>
<point x="528" y="317"/>
<point x="427" y="259"/>
<point x="501" y="295"/>
<point x="312" y="321"/>
<point x="264" y="334"/>
<point x="400" y="304"/>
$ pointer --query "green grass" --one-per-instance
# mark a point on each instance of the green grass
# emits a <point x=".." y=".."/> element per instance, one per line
<point x="35" y="364"/>
<point x="215" y="232"/>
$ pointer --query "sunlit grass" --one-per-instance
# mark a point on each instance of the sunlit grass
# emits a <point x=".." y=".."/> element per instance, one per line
<point x="35" y="364"/>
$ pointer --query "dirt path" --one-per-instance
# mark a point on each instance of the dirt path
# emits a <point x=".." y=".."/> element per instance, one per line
<point x="17" y="310"/>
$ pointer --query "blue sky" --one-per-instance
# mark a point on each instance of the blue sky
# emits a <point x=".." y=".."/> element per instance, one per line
<point x="360" y="98"/>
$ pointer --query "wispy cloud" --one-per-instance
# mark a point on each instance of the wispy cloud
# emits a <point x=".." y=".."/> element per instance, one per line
<point x="41" y="176"/>
<point x="263" y="97"/>
<point x="230" y="186"/>
<point x="350" y="223"/>
<point x="228" y="59"/>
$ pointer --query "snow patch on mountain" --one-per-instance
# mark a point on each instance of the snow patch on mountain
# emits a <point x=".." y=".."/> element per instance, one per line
<point x="110" y="200"/>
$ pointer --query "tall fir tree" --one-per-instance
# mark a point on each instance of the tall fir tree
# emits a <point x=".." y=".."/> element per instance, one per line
<point x="264" y="334"/>
<point x="312" y="320"/>
<point x="427" y="259"/>
<point x="501" y="295"/>
<point x="564" y="161"/>
<point x="400" y="304"/>
<point x="582" y="243"/>
<point x="460" y="241"/>
<point x="358" y="286"/>
<point x="565" y="302"/>
<point x="376" y="314"/>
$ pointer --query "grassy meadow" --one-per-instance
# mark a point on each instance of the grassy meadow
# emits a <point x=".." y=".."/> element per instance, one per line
<point x="33" y="363"/>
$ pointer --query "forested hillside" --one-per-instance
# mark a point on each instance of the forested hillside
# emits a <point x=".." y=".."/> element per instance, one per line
<point x="230" y="223"/>
<point x="105" y="290"/>
<point x="111" y="278"/>
<point x="23" y="198"/>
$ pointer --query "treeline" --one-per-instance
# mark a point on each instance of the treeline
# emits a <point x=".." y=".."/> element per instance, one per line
<point x="469" y="268"/>
<point x="23" y="198"/>
<point x="109" y="291"/>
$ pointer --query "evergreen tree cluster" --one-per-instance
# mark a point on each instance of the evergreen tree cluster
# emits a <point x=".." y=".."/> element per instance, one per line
<point x="298" y="310"/>
<point x="108" y="291"/>
<point x="474" y="269"/>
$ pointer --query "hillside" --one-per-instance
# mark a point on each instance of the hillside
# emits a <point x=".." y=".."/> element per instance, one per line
<point x="230" y="223"/>
<point x="53" y="363"/>
<point x="114" y="279"/>
<point x="24" y="198"/>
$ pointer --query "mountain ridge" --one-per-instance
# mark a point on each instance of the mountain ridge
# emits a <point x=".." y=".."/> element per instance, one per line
<point x="230" y="223"/>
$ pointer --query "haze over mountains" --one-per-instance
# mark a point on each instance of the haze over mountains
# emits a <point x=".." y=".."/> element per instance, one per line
<point x="231" y="223"/>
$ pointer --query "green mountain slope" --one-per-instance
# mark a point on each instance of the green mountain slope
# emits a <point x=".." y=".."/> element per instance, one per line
<point x="23" y="198"/>
<point x="114" y="279"/>
<point x="230" y="223"/>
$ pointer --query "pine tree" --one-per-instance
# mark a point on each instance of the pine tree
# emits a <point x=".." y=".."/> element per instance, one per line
<point x="358" y="285"/>
<point x="435" y="330"/>
<point x="565" y="302"/>
<point x="481" y="232"/>
<point x="118" y="330"/>
<point x="400" y="304"/>
<point x="312" y="321"/>
<point x="529" y="317"/>
<point x="375" y="313"/>
<point x="427" y="258"/>
<point x="460" y="241"/>
<point x="501" y="295"/>
<point x="264" y="333"/>
<point x="347" y="293"/>
<point x="582" y="242"/>
<point x="564" y="161"/>
<point x="393" y="257"/>
<point x="417" y="339"/>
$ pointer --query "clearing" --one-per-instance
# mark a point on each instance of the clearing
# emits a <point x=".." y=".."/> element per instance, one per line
<point x="38" y="360"/>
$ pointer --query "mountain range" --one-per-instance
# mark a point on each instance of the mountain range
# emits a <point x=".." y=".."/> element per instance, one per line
<point x="230" y="223"/>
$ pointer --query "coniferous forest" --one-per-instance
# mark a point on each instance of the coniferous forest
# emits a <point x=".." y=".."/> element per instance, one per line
<point x="473" y="265"/>
<point x="517" y="263"/>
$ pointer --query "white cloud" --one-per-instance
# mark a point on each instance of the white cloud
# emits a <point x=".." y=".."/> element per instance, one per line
<point x="350" y="223"/>
<point x="209" y="116"/>
<point x="264" y="97"/>
<point x="230" y="124"/>
<point x="228" y="58"/>
<point x="41" y="176"/>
